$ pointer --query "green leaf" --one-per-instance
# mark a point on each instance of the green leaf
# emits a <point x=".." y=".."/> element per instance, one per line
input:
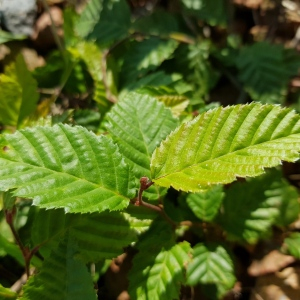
<point x="7" y="37"/>
<point x="138" y="124"/>
<point x="169" y="96"/>
<point x="206" y="205"/>
<point x="213" y="12"/>
<point x="99" y="236"/>
<point x="8" y="200"/>
<point x="193" y="61"/>
<point x="89" y="17"/>
<point x="92" y="56"/>
<point x="70" y="19"/>
<point x="6" y="294"/>
<point x="160" y="23"/>
<point x="61" y="275"/>
<point x="104" y="20"/>
<point x="156" y="79"/>
<point x="161" y="279"/>
<point x="158" y="268"/>
<point x="52" y="74"/>
<point x="291" y="245"/>
<point x="250" y="209"/>
<point x="225" y="143"/>
<point x="265" y="69"/>
<point x="18" y="93"/>
<point x="145" y="56"/>
<point x="6" y="247"/>
<point x="114" y="22"/>
<point x="106" y="235"/>
<point x="211" y="265"/>
<point x="65" y="167"/>
<point x="202" y="75"/>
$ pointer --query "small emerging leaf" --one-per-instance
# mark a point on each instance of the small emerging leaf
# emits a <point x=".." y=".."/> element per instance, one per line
<point x="225" y="143"/>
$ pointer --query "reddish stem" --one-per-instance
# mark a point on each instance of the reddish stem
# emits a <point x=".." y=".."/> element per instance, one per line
<point x="26" y="252"/>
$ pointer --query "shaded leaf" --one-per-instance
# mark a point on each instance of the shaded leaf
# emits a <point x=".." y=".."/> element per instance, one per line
<point x="161" y="23"/>
<point x="213" y="12"/>
<point x="67" y="167"/>
<point x="145" y="56"/>
<point x="61" y="275"/>
<point x="99" y="236"/>
<point x="114" y="22"/>
<point x="266" y="69"/>
<point x="250" y="209"/>
<point x="158" y="269"/>
<point x="18" y="93"/>
<point x="138" y="124"/>
<point x="6" y="247"/>
<point x="225" y="143"/>
<point x="70" y="19"/>
<point x="156" y="80"/>
<point x="211" y="265"/>
<point x="104" y="20"/>
<point x="206" y="205"/>
<point x="292" y="245"/>
<point x="91" y="54"/>
<point x="89" y="17"/>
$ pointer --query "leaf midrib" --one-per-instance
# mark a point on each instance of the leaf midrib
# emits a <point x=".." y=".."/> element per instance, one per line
<point x="224" y="155"/>
<point x="59" y="172"/>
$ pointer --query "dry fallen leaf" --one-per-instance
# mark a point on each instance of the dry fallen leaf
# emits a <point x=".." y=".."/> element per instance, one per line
<point x="283" y="285"/>
<point x="270" y="263"/>
<point x="253" y="4"/>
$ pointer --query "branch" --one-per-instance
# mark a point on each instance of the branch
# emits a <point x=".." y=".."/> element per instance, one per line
<point x="54" y="30"/>
<point x="9" y="216"/>
<point x="26" y="252"/>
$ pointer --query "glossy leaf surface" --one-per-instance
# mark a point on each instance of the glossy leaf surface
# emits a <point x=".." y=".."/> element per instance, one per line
<point x="138" y="124"/>
<point x="65" y="167"/>
<point x="225" y="143"/>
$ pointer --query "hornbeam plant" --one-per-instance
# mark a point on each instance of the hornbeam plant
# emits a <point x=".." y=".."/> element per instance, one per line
<point x="97" y="195"/>
<point x="143" y="175"/>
